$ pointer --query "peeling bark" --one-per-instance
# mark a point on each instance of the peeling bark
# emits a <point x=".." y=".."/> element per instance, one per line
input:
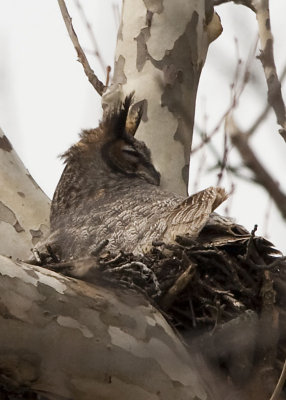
<point x="161" y="49"/>
<point x="24" y="208"/>
<point x="63" y="337"/>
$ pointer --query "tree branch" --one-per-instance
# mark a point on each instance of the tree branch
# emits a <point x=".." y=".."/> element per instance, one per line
<point x="262" y="176"/>
<point x="275" y="99"/>
<point x="266" y="57"/>
<point x="96" y="83"/>
<point x="93" y="40"/>
<point x="24" y="207"/>
<point x="86" y="341"/>
<point x="264" y="112"/>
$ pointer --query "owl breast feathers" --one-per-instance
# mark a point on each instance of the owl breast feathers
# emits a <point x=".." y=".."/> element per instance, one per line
<point x="110" y="190"/>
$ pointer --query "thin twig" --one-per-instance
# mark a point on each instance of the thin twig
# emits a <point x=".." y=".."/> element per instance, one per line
<point x="237" y="91"/>
<point x="52" y="254"/>
<point x="250" y="243"/>
<point x="224" y="160"/>
<point x="96" y="50"/>
<point x="37" y="256"/>
<point x="266" y="267"/>
<point x="108" y="70"/>
<point x="96" y="83"/>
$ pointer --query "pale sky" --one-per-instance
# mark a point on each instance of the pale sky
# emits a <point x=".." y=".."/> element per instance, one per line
<point x="45" y="98"/>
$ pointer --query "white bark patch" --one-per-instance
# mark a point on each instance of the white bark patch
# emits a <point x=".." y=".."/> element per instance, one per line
<point x="23" y="205"/>
<point x="7" y="268"/>
<point x="69" y="322"/>
<point x="176" y="15"/>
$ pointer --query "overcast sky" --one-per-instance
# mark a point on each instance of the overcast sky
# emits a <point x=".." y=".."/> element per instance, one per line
<point x="45" y="98"/>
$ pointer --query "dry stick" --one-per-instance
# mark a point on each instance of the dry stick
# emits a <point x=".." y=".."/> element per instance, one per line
<point x="96" y="83"/>
<point x="91" y="35"/>
<point x="180" y="284"/>
<point x="266" y="57"/>
<point x="261" y="175"/>
<point x="280" y="384"/>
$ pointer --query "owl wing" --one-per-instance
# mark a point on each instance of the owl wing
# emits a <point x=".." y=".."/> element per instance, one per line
<point x="189" y="217"/>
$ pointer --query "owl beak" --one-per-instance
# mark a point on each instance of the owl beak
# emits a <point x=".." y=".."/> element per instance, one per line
<point x="157" y="177"/>
<point x="150" y="174"/>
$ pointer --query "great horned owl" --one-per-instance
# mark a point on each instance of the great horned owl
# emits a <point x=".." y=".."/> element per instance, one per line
<point x="110" y="190"/>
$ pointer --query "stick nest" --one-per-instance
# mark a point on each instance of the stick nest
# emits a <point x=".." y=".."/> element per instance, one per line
<point x="226" y="299"/>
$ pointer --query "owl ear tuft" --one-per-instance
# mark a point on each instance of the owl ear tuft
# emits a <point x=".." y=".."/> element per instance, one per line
<point x="122" y="114"/>
<point x="124" y="118"/>
<point x="114" y="120"/>
<point x="134" y="118"/>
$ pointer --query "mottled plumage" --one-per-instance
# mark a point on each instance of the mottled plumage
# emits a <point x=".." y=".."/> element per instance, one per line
<point x="110" y="190"/>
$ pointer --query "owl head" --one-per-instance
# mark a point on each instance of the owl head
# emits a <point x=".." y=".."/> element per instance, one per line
<point x="113" y="147"/>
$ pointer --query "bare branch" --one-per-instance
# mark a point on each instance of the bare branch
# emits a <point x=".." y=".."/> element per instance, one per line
<point x="275" y="99"/>
<point x="259" y="120"/>
<point x="262" y="176"/>
<point x="224" y="160"/>
<point x="264" y="112"/>
<point x="93" y="40"/>
<point x="108" y="70"/>
<point x="266" y="57"/>
<point x="96" y="83"/>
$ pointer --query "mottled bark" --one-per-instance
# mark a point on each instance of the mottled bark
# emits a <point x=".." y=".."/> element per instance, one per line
<point x="64" y="337"/>
<point x="266" y="57"/>
<point x="161" y="49"/>
<point x="24" y="208"/>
